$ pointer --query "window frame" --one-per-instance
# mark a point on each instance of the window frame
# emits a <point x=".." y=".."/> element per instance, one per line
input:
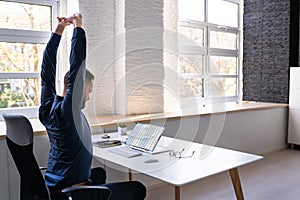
<point x="207" y="51"/>
<point x="27" y="36"/>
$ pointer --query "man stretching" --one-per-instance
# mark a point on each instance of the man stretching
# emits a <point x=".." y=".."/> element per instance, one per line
<point x="70" y="155"/>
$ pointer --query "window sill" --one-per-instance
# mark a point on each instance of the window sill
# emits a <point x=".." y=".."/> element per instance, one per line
<point x="101" y="122"/>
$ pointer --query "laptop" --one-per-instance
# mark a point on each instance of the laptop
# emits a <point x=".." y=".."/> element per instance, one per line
<point x="144" y="137"/>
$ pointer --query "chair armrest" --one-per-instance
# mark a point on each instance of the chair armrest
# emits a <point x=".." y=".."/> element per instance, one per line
<point x="42" y="168"/>
<point x="84" y="187"/>
<point x="103" y="192"/>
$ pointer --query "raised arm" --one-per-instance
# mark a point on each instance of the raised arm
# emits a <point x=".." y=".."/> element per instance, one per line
<point x="49" y="67"/>
<point x="75" y="87"/>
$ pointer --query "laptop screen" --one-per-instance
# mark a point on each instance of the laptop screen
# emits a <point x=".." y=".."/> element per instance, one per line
<point x="145" y="136"/>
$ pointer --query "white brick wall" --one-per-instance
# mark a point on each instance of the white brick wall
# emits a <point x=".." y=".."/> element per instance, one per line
<point x="126" y="53"/>
<point x="144" y="56"/>
<point x="171" y="81"/>
<point x="99" y="23"/>
<point x="120" y="45"/>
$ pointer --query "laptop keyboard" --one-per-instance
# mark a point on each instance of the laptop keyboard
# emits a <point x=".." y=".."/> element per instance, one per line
<point x="125" y="151"/>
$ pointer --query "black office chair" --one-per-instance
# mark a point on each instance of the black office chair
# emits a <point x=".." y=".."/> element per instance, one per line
<point x="19" y="139"/>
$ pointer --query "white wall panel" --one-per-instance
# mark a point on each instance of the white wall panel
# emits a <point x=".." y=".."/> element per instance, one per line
<point x="294" y="106"/>
<point x="294" y="126"/>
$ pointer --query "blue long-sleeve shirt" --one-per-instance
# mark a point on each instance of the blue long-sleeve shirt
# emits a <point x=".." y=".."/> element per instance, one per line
<point x="70" y="153"/>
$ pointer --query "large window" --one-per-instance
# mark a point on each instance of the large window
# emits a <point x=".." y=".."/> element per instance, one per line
<point x="210" y="49"/>
<point x="25" y="27"/>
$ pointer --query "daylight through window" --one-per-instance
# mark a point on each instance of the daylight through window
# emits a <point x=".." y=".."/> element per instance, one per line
<point x="24" y="31"/>
<point x="209" y="49"/>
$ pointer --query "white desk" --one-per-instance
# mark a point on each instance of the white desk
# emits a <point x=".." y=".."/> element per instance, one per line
<point x="206" y="161"/>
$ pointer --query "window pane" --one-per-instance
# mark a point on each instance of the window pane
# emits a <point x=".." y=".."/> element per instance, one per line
<point x="20" y="57"/>
<point x="223" y="13"/>
<point x="223" y="87"/>
<point x="223" y="65"/>
<point x="19" y="92"/>
<point x="191" y="64"/>
<point x="191" y="87"/>
<point x="196" y="35"/>
<point x="223" y="40"/>
<point x="191" y="9"/>
<point x="25" y="16"/>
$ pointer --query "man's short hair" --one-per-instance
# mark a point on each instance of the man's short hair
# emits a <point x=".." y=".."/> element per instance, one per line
<point x="89" y="76"/>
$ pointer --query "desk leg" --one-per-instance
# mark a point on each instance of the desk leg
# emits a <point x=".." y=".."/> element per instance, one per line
<point x="129" y="174"/>
<point x="177" y="192"/>
<point x="234" y="174"/>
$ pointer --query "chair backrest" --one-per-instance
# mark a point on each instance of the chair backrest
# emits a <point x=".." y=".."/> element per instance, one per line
<point x="19" y="139"/>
